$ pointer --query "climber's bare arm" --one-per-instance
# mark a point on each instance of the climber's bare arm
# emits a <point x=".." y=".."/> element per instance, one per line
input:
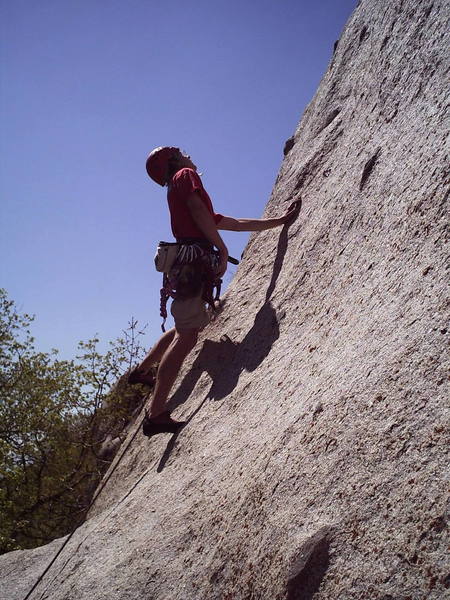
<point x="232" y="224"/>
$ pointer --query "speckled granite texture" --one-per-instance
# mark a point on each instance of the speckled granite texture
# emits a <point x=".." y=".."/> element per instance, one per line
<point x="314" y="461"/>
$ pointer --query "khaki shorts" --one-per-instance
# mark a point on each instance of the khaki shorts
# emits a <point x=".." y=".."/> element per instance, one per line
<point x="190" y="313"/>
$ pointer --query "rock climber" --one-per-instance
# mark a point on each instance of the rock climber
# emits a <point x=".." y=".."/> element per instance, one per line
<point x="193" y="222"/>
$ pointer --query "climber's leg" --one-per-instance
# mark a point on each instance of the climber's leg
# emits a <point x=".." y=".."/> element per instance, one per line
<point x="157" y="352"/>
<point x="190" y="317"/>
<point x="183" y="342"/>
<point x="146" y="372"/>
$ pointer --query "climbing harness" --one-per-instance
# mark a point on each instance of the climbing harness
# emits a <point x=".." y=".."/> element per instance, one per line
<point x="189" y="269"/>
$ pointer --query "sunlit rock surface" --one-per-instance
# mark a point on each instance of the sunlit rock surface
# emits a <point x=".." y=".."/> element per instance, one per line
<point x="313" y="463"/>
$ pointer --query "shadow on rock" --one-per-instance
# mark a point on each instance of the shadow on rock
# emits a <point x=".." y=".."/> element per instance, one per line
<point x="173" y="439"/>
<point x="278" y="262"/>
<point x="310" y="567"/>
<point x="224" y="361"/>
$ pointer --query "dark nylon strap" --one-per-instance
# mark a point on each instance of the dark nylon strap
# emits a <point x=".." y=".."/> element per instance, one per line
<point x="199" y="241"/>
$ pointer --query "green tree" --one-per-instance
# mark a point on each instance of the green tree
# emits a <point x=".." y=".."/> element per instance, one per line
<point x="54" y="416"/>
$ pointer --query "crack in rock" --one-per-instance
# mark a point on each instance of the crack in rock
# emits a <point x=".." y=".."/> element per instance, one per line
<point x="368" y="168"/>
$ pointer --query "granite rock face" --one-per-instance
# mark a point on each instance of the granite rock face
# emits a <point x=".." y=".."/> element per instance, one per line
<point x="313" y="463"/>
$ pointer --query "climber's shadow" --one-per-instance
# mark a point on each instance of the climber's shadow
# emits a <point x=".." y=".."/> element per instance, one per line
<point x="225" y="360"/>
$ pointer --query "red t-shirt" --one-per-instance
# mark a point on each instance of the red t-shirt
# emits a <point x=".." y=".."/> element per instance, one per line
<point x="183" y="183"/>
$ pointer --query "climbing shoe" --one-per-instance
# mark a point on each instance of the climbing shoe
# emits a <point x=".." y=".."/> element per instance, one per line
<point x="163" y="423"/>
<point x="145" y="377"/>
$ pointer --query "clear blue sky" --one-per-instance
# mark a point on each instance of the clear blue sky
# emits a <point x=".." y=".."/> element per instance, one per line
<point x="88" y="88"/>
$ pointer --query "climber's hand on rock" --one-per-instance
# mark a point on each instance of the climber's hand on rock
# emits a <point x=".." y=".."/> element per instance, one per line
<point x="292" y="212"/>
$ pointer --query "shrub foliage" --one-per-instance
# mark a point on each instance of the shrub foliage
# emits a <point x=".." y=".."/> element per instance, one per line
<point x="54" y="417"/>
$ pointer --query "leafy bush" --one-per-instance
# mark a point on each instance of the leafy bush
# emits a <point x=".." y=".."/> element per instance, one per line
<point x="54" y="417"/>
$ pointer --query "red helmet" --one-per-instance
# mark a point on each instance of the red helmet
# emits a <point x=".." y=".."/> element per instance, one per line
<point x="157" y="163"/>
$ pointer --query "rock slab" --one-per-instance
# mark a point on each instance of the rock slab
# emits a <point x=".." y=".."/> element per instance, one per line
<point x="314" y="460"/>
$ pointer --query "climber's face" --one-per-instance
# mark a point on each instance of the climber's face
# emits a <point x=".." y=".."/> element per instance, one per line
<point x="184" y="161"/>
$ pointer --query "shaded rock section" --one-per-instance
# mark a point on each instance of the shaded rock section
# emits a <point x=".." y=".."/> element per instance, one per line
<point x="310" y="566"/>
